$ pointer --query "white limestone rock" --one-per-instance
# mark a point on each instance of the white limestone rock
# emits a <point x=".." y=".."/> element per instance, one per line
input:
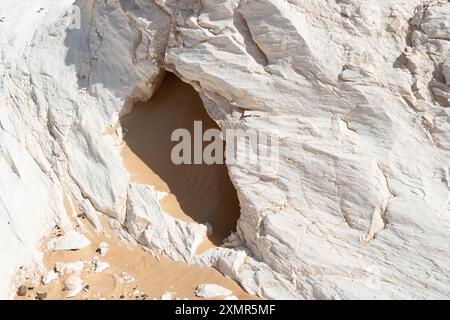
<point x="72" y="240"/>
<point x="103" y="248"/>
<point x="359" y="204"/>
<point x="342" y="197"/>
<point x="446" y="71"/>
<point x="229" y="262"/>
<point x="62" y="267"/>
<point x="126" y="277"/>
<point x="101" y="266"/>
<point x="212" y="291"/>
<point x="158" y="231"/>
<point x="74" y="285"/>
<point x="49" y="277"/>
<point x="350" y="75"/>
<point x="436" y="22"/>
<point x="167" y="296"/>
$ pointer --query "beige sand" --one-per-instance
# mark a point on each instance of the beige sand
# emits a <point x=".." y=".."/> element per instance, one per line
<point x="201" y="193"/>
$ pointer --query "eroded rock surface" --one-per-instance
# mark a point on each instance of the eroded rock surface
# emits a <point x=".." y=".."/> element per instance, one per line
<point x="358" y="92"/>
<point x="72" y="240"/>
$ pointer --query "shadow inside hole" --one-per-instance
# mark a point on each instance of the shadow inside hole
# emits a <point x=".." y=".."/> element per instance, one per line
<point x="205" y="193"/>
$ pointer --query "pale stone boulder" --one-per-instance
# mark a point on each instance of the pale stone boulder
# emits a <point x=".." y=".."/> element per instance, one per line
<point x="49" y="277"/>
<point x="70" y="267"/>
<point x="74" y="285"/>
<point x="72" y="240"/>
<point x="101" y="266"/>
<point x="212" y="291"/>
<point x="156" y="229"/>
<point x="358" y="205"/>
<point x="446" y="71"/>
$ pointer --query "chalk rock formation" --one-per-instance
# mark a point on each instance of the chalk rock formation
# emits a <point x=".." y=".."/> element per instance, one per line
<point x="356" y="91"/>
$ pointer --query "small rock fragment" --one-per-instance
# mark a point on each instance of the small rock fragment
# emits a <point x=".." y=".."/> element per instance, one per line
<point x="72" y="240"/>
<point x="395" y="26"/>
<point x="49" y="277"/>
<point x="212" y="291"/>
<point x="230" y="262"/>
<point x="22" y="291"/>
<point x="41" y="295"/>
<point x="74" y="285"/>
<point x="137" y="293"/>
<point x="167" y="296"/>
<point x="62" y="267"/>
<point x="101" y="266"/>
<point x="231" y="297"/>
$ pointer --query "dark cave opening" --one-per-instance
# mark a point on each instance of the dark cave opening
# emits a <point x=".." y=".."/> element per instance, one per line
<point x="197" y="192"/>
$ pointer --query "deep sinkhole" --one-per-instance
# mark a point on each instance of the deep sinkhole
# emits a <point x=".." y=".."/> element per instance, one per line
<point x="197" y="192"/>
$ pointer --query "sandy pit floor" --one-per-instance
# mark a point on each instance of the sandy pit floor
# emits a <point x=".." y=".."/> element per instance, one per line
<point x="196" y="193"/>
<point x="200" y="193"/>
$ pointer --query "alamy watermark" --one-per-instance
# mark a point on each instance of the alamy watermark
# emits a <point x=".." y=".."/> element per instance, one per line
<point x="255" y="147"/>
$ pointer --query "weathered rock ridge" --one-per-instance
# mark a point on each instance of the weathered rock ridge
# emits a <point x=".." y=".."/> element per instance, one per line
<point x="358" y="92"/>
